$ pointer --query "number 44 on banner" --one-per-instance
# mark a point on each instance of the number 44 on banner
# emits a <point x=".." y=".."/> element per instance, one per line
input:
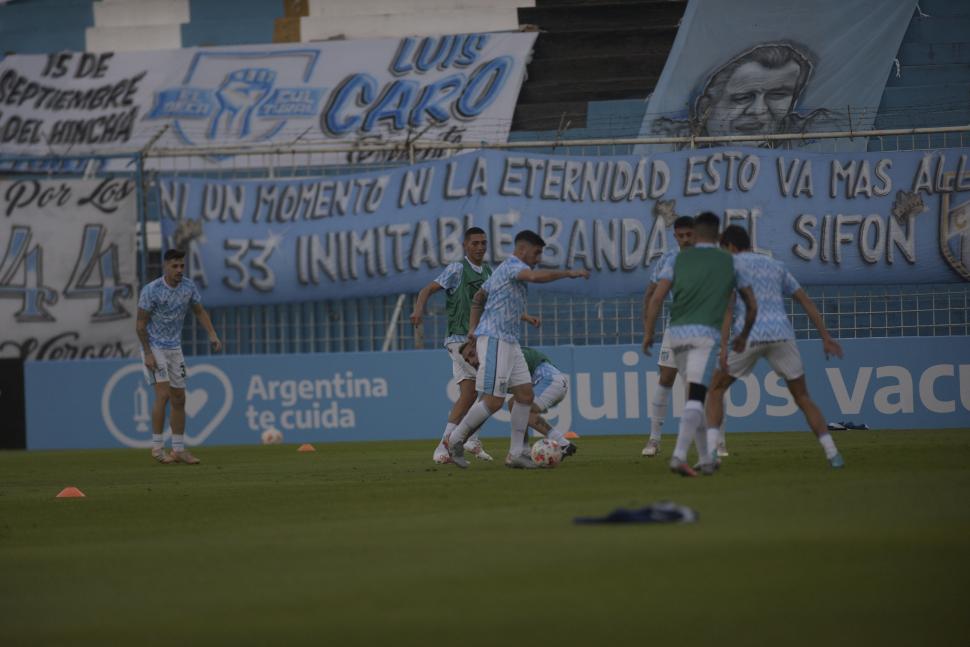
<point x="96" y="275"/>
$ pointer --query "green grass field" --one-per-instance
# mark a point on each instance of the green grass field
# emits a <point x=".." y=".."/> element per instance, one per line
<point x="372" y="544"/>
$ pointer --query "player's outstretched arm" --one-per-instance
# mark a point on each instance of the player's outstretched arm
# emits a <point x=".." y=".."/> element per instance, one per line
<point x="532" y="320"/>
<point x="141" y="329"/>
<point x="829" y="345"/>
<point x="422" y="300"/>
<point x="746" y="294"/>
<point x="547" y="276"/>
<point x="203" y="317"/>
<point x="478" y="306"/>
<point x="652" y="311"/>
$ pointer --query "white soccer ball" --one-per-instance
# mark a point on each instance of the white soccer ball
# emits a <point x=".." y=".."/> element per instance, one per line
<point x="271" y="436"/>
<point x="546" y="453"/>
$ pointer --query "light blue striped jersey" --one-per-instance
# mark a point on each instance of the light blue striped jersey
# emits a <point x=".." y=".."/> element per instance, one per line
<point x="506" y="302"/>
<point x="771" y="282"/>
<point x="167" y="306"/>
<point x="668" y="257"/>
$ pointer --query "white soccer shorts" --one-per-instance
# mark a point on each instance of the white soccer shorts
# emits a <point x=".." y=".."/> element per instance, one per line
<point x="666" y="357"/>
<point x="501" y="366"/>
<point x="171" y="367"/>
<point x="550" y="388"/>
<point x="694" y="358"/>
<point x="460" y="369"/>
<point x="782" y="356"/>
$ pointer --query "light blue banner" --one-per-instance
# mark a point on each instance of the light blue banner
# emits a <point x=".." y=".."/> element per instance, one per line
<point x="898" y="383"/>
<point x="859" y="218"/>
<point x="750" y="67"/>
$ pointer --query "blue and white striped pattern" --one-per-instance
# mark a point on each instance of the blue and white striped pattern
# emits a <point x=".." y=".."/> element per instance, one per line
<point x="771" y="282"/>
<point x="168" y="307"/>
<point x="506" y="302"/>
<point x="490" y="362"/>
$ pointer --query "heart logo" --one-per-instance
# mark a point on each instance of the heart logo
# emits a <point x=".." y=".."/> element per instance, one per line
<point x="195" y="400"/>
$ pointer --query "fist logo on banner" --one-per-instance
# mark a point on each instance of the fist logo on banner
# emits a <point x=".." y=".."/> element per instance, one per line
<point x="955" y="231"/>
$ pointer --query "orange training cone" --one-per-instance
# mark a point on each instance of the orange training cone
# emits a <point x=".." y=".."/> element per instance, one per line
<point x="70" y="493"/>
<point x="306" y="447"/>
<point x="571" y="434"/>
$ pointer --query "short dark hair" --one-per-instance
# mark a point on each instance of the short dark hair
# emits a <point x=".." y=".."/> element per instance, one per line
<point x="708" y="222"/>
<point x="736" y="235"/>
<point x="530" y="237"/>
<point x="173" y="253"/>
<point x="684" y="222"/>
<point x="471" y="231"/>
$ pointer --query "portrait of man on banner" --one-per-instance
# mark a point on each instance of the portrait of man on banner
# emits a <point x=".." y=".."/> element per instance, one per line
<point x="756" y="92"/>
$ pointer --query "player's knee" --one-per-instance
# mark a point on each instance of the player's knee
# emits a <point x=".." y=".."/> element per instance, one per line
<point x="177" y="397"/>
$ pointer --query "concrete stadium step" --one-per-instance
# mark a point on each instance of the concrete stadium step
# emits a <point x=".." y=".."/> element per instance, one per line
<point x="603" y="16"/>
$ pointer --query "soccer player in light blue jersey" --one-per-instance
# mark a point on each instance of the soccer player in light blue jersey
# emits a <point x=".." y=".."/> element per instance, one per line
<point x="771" y="338"/>
<point x="162" y="306"/>
<point x="496" y="314"/>
<point x="684" y="235"/>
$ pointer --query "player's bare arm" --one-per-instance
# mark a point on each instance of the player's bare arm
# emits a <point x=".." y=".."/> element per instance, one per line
<point x="648" y="294"/>
<point x="750" y="314"/>
<point x="200" y="313"/>
<point x="477" y="307"/>
<point x="417" y="315"/>
<point x="652" y="311"/>
<point x="141" y="329"/>
<point x="726" y="331"/>
<point x="532" y="320"/>
<point x="547" y="276"/>
<point x="829" y="345"/>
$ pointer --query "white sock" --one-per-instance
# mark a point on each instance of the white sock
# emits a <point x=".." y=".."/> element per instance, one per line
<point x="473" y="438"/>
<point x="722" y="432"/>
<point x="658" y="410"/>
<point x="828" y="444"/>
<point x="157" y="442"/>
<point x="520" y="422"/>
<point x="559" y="437"/>
<point x="696" y="408"/>
<point x="713" y="438"/>
<point x="474" y="419"/>
<point x="450" y="427"/>
<point x="687" y="430"/>
<point x="178" y="442"/>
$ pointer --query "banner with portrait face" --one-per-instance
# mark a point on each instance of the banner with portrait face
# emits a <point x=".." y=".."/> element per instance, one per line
<point x="450" y="88"/>
<point x="750" y="67"/>
<point x="858" y="218"/>
<point x="67" y="269"/>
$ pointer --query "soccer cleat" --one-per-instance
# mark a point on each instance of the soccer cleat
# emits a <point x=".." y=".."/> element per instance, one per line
<point x="651" y="449"/>
<point x="837" y="461"/>
<point x="521" y="462"/>
<point x="184" y="457"/>
<point x="678" y="466"/>
<point x="160" y="456"/>
<point x="457" y="452"/>
<point x="722" y="449"/>
<point x="569" y="450"/>
<point x="441" y="454"/>
<point x="478" y="451"/>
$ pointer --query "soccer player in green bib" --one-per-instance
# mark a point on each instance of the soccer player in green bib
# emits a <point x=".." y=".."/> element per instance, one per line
<point x="702" y="279"/>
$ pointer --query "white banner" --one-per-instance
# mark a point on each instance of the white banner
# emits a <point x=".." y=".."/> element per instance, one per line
<point x="68" y="287"/>
<point x="436" y="88"/>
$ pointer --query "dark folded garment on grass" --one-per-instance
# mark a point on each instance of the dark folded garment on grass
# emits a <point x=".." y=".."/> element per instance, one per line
<point x="661" y="512"/>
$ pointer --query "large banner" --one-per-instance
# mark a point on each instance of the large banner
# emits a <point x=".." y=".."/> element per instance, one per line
<point x="450" y="88"/>
<point x="750" y="67"/>
<point x="67" y="269"/>
<point x="852" y="219"/>
<point x="900" y="383"/>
